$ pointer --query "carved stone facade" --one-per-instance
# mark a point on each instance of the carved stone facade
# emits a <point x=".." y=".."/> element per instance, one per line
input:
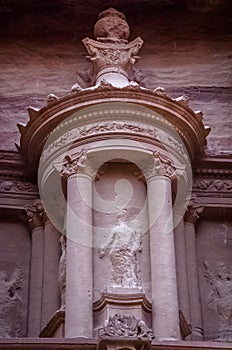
<point x="116" y="226"/>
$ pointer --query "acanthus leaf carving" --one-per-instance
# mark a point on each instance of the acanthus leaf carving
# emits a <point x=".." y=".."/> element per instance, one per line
<point x="75" y="165"/>
<point x="35" y="214"/>
<point x="194" y="209"/>
<point x="161" y="166"/>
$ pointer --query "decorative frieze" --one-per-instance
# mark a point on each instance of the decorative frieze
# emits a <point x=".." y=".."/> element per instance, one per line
<point x="8" y="185"/>
<point x="100" y="128"/>
<point x="212" y="185"/>
<point x="125" y="326"/>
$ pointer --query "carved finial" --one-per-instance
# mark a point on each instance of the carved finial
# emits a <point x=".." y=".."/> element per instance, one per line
<point x="111" y="54"/>
<point x="111" y="26"/>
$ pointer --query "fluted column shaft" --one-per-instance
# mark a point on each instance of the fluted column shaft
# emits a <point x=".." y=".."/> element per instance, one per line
<point x="165" y="312"/>
<point x="79" y="300"/>
<point x="191" y="217"/>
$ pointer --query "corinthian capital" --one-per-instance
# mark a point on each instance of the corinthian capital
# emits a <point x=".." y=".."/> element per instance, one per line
<point x="161" y="166"/>
<point x="193" y="211"/>
<point x="35" y="214"/>
<point x="79" y="164"/>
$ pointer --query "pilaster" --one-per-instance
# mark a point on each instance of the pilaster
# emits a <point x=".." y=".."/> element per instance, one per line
<point x="192" y="214"/>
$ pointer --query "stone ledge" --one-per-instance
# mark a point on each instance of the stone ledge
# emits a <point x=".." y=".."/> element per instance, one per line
<point x="92" y="344"/>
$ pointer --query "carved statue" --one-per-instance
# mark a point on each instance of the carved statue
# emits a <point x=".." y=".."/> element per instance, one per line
<point x="62" y="272"/>
<point x="220" y="298"/>
<point x="11" y="309"/>
<point x="124" y="243"/>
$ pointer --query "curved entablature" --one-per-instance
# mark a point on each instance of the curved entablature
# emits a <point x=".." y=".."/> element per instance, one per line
<point x="114" y="107"/>
<point x="160" y="109"/>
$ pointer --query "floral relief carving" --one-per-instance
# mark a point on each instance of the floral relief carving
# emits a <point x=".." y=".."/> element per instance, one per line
<point x="8" y="185"/>
<point x="81" y="132"/>
<point x="125" y="326"/>
<point x="213" y="185"/>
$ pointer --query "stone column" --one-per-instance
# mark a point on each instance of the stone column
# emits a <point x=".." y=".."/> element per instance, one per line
<point x="181" y="270"/>
<point x="51" y="292"/>
<point x="191" y="216"/>
<point x="165" y="312"/>
<point x="34" y="214"/>
<point x="79" y="300"/>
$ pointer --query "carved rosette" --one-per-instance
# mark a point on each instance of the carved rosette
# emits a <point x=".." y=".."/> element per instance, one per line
<point x="193" y="211"/>
<point x="161" y="166"/>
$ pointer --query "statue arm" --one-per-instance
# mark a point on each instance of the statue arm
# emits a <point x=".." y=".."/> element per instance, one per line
<point x="207" y="273"/>
<point x="107" y="245"/>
